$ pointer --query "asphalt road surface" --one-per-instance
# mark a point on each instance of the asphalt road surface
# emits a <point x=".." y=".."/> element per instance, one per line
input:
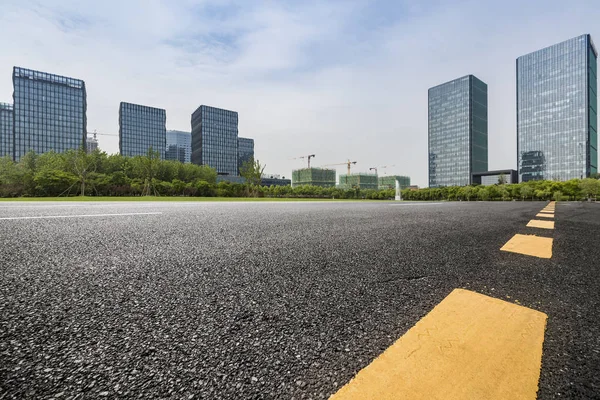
<point x="271" y="300"/>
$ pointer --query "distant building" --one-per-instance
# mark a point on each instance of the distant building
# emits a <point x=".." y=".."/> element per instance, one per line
<point x="274" y="180"/>
<point x="494" y="177"/>
<point x="458" y="131"/>
<point x="389" y="182"/>
<point x="215" y="139"/>
<point x="231" y="179"/>
<point x="360" y="181"/>
<point x="141" y="128"/>
<point x="557" y="106"/>
<point x="313" y="177"/>
<point x="179" y="146"/>
<point x="245" y="151"/>
<point x="49" y="112"/>
<point x="6" y="130"/>
<point x="91" y="144"/>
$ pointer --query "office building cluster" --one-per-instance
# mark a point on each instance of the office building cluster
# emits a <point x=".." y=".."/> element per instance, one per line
<point x="557" y="129"/>
<point x="48" y="113"/>
<point x="557" y="125"/>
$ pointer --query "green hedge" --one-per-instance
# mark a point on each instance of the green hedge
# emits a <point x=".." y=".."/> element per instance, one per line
<point x="575" y="189"/>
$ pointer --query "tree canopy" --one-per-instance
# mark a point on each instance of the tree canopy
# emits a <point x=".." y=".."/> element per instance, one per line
<point x="76" y="173"/>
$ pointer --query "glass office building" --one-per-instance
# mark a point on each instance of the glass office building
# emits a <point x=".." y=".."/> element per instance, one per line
<point x="6" y="130"/>
<point x="179" y="146"/>
<point x="557" y="123"/>
<point x="245" y="151"/>
<point x="91" y="144"/>
<point x="141" y="128"/>
<point x="215" y="139"/>
<point x="458" y="131"/>
<point x="49" y="112"/>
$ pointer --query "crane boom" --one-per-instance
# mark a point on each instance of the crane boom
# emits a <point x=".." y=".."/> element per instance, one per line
<point x="308" y="157"/>
<point x="348" y="163"/>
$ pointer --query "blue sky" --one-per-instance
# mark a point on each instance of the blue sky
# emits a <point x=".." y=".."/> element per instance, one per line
<point x="340" y="79"/>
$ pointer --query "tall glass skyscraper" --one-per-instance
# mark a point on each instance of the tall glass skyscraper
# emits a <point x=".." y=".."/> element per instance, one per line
<point x="245" y="151"/>
<point x="179" y="146"/>
<point x="49" y="112"/>
<point x="557" y="123"/>
<point x="6" y="130"/>
<point x="458" y="131"/>
<point x="215" y="139"/>
<point x="142" y="128"/>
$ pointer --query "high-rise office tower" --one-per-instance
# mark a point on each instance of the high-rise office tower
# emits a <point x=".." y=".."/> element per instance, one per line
<point x="6" y="130"/>
<point x="49" y="112"/>
<point x="245" y="151"/>
<point x="92" y="144"/>
<point x="141" y="128"/>
<point x="557" y="123"/>
<point x="179" y="146"/>
<point x="458" y="131"/>
<point x="215" y="139"/>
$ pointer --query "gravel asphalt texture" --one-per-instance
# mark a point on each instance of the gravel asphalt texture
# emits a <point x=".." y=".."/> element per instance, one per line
<point x="271" y="300"/>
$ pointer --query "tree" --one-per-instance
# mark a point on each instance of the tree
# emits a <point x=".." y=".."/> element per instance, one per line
<point x="557" y="196"/>
<point x="590" y="187"/>
<point x="82" y="165"/>
<point x="53" y="182"/>
<point x="501" y="179"/>
<point x="484" y="194"/>
<point x="11" y="178"/>
<point x="252" y="171"/>
<point x="468" y="192"/>
<point x="504" y="193"/>
<point x="526" y="192"/>
<point x="148" y="169"/>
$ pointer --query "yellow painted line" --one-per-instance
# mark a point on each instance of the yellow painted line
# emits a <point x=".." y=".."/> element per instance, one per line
<point x="545" y="215"/>
<point x="538" y="223"/>
<point x="470" y="346"/>
<point x="529" y="245"/>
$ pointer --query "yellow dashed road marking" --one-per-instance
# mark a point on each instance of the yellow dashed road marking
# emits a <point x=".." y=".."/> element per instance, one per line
<point x="536" y="223"/>
<point x="545" y="215"/>
<point x="470" y="346"/>
<point x="529" y="245"/>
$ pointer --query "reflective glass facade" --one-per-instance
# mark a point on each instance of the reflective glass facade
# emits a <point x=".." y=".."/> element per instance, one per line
<point x="245" y="150"/>
<point x="557" y="123"/>
<point x="141" y="128"/>
<point x="49" y="112"/>
<point x="458" y="131"/>
<point x="215" y="139"/>
<point x="6" y="130"/>
<point x="179" y="146"/>
<point x="92" y="144"/>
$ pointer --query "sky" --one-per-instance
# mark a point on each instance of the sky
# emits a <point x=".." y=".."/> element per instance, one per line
<point x="338" y="79"/>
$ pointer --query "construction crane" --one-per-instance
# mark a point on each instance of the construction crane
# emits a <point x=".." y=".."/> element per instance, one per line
<point x="102" y="134"/>
<point x="348" y="163"/>
<point x="381" y="167"/>
<point x="308" y="157"/>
